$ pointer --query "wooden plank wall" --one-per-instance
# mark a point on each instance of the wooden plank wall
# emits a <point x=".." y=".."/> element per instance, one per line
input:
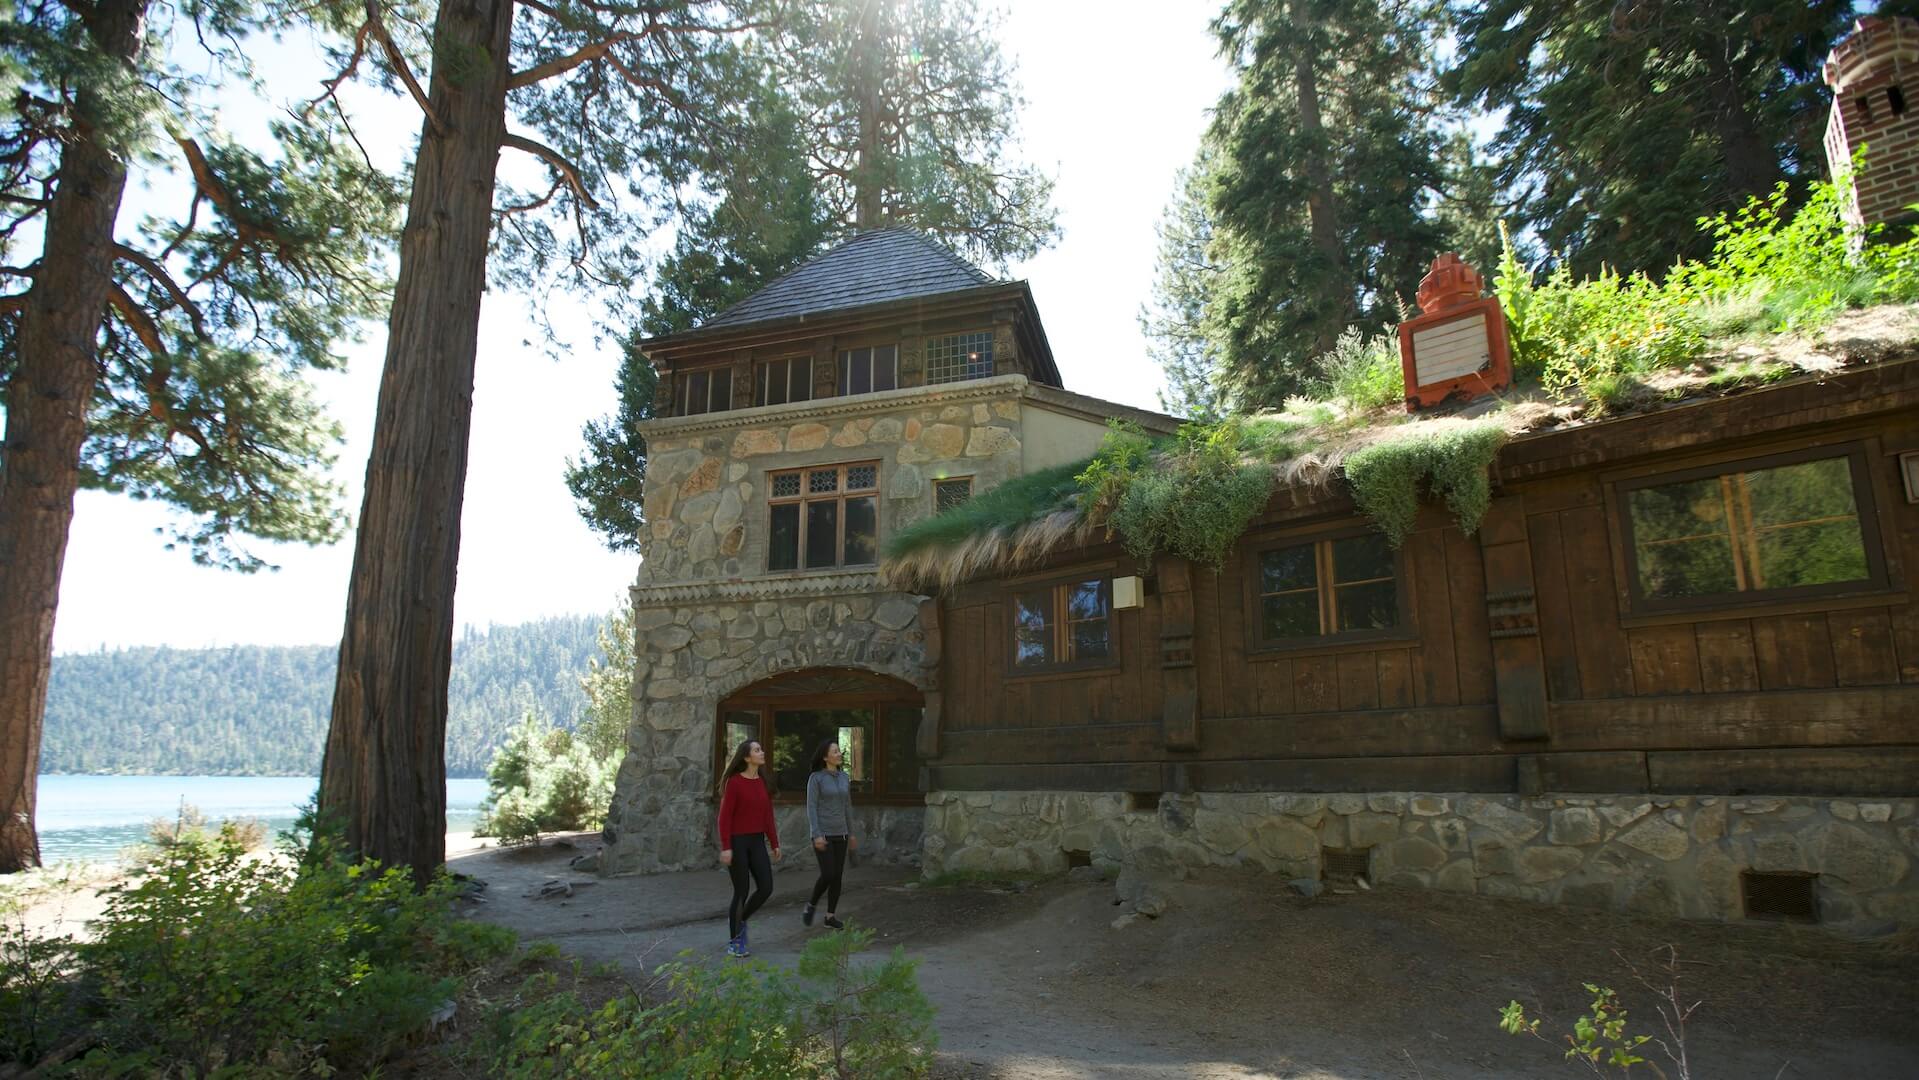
<point x="1820" y="697"/>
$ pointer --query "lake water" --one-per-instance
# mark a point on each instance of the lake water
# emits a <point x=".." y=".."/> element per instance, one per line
<point x="92" y="818"/>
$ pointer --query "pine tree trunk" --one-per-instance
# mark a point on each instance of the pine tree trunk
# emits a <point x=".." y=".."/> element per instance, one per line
<point x="384" y="776"/>
<point x="47" y="402"/>
<point x="1752" y="163"/>
<point x="868" y="210"/>
<point x="1321" y="208"/>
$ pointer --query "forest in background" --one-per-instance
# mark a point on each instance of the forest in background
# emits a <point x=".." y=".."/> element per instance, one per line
<point x="252" y="710"/>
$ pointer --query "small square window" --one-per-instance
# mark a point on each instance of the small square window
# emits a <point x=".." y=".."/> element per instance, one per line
<point x="950" y="493"/>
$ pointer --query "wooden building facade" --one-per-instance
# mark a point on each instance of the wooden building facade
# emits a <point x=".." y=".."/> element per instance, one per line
<point x="1670" y="616"/>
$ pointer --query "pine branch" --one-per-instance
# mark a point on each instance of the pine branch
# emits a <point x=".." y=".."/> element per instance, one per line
<point x="160" y="277"/>
<point x="142" y="323"/>
<point x="563" y="64"/>
<point x="377" y="25"/>
<point x="565" y="168"/>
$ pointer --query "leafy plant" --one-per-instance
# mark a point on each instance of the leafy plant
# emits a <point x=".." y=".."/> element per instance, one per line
<point x="1195" y="500"/>
<point x="1453" y="462"/>
<point x="1362" y="372"/>
<point x="218" y="963"/>
<point x="1013" y="503"/>
<point x="833" y="1016"/>
<point x="1601" y="1040"/>
<point x="544" y="780"/>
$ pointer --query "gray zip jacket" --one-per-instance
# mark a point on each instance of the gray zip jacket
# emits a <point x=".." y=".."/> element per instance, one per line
<point x="829" y="803"/>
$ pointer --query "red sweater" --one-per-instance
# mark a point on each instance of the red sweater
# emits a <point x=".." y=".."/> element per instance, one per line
<point x="745" y="807"/>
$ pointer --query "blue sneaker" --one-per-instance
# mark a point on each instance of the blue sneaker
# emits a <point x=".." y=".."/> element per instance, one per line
<point x="736" y="946"/>
<point x="745" y="945"/>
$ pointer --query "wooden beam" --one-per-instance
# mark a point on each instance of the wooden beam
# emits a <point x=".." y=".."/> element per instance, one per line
<point x="1179" y="681"/>
<point x="1851" y="716"/>
<point x="1844" y="772"/>
<point x="1512" y="612"/>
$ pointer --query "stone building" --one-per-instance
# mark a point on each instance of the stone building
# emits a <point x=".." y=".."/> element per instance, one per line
<point x="795" y="432"/>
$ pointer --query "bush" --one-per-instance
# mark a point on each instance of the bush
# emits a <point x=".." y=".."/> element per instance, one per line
<point x="1453" y="462"/>
<point x="1363" y="373"/>
<point x="832" y="1017"/>
<point x="544" y="780"/>
<point x="1193" y="500"/>
<point x="217" y="962"/>
<point x="189" y="824"/>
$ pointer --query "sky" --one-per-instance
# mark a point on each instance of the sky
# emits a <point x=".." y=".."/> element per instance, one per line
<point x="1117" y="95"/>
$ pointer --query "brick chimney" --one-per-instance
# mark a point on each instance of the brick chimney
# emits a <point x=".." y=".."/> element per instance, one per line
<point x="1874" y="75"/>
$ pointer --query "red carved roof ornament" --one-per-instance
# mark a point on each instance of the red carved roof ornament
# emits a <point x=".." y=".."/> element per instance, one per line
<point x="1449" y="284"/>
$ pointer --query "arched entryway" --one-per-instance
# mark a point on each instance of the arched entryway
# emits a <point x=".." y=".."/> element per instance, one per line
<point x="874" y="718"/>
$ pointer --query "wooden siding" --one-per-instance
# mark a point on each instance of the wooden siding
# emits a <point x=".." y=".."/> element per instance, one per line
<point x="1816" y="696"/>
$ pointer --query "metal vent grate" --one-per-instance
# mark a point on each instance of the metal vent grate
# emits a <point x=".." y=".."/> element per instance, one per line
<point x="1345" y="864"/>
<point x="1788" y="897"/>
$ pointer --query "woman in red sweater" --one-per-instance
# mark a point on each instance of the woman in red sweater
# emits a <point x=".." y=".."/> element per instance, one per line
<point x="746" y="833"/>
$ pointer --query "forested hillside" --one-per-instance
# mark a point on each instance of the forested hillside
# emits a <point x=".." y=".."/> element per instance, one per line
<point x="262" y="711"/>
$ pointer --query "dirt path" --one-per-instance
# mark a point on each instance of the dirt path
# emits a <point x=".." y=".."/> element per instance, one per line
<point x="1240" y="980"/>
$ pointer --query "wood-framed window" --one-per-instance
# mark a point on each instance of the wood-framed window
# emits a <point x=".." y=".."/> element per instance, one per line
<point x="702" y="391"/>
<point x="876" y="731"/>
<point x="823" y="515"/>
<point x="863" y="371"/>
<point x="1329" y="589"/>
<point x="1784" y="526"/>
<point x="1063" y="625"/>
<point x="957" y="357"/>
<point x="789" y="378"/>
<point x="951" y="492"/>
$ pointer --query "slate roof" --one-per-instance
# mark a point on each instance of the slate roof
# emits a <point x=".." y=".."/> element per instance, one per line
<point x="872" y="268"/>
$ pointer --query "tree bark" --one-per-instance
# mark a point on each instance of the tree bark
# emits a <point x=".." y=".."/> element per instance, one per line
<point x="1321" y="208"/>
<point x="1752" y="163"/>
<point x="47" y="401"/>
<point x="384" y="776"/>
<point x="868" y="184"/>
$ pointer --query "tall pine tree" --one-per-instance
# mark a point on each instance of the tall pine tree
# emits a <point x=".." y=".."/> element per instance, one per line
<point x="1326" y="162"/>
<point x="876" y="113"/>
<point x="160" y="358"/>
<point x="1627" y="122"/>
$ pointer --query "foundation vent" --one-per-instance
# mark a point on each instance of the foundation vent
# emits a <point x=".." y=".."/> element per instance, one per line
<point x="1142" y="801"/>
<point x="1344" y="865"/>
<point x="1780" y="897"/>
<point x="1078" y="858"/>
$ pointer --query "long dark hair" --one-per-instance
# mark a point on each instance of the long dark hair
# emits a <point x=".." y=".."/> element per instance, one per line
<point x="738" y="764"/>
<point x="819" y="755"/>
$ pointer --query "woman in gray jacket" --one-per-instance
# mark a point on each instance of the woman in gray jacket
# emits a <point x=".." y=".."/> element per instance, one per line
<point x="829" y="820"/>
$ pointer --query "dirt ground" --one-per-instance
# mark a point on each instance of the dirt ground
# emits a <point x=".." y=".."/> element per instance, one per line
<point x="1243" y="979"/>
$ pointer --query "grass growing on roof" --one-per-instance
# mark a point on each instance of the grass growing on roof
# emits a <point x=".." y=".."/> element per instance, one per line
<point x="1452" y="461"/>
<point x="1013" y="503"/>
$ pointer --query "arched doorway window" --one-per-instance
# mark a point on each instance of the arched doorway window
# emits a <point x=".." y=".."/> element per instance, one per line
<point x="874" y="718"/>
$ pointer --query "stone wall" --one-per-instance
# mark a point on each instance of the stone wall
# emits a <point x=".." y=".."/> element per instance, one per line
<point x="1668" y="855"/>
<point x="710" y="620"/>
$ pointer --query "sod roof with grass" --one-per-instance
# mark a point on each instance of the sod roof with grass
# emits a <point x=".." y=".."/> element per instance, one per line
<point x="1194" y="494"/>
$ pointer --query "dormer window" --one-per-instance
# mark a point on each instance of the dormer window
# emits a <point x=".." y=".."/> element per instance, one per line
<point x="863" y="371"/>
<point x="703" y="391"/>
<point x="958" y="357"/>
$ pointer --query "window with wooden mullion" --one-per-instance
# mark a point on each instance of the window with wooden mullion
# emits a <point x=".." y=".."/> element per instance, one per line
<point x="824" y="516"/>
<point x="1344" y="585"/>
<point x="703" y="391"/>
<point x="1065" y="624"/>
<point x="787" y="379"/>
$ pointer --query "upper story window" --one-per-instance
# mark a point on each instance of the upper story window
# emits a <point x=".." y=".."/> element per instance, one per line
<point x="703" y="391"/>
<point x="1346" y="585"/>
<point x="1787" y="525"/>
<point x="863" y="371"/>
<point x="1068" y="624"/>
<point x="786" y="379"/>
<point x="824" y="516"/>
<point x="959" y="356"/>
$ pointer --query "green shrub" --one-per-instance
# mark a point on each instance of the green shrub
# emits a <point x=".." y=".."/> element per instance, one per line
<point x="833" y="1016"/>
<point x="1014" y="502"/>
<point x="1195" y="500"/>
<point x="544" y="780"/>
<point x="1452" y="462"/>
<point x="216" y="962"/>
<point x="1363" y="373"/>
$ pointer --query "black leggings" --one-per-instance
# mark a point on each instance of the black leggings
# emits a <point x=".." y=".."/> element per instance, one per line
<point x="832" y="868"/>
<point x="750" y="860"/>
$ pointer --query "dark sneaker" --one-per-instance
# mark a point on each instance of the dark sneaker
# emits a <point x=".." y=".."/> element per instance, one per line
<point x="833" y="923"/>
<point x="734" y="948"/>
<point x="806" y="915"/>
